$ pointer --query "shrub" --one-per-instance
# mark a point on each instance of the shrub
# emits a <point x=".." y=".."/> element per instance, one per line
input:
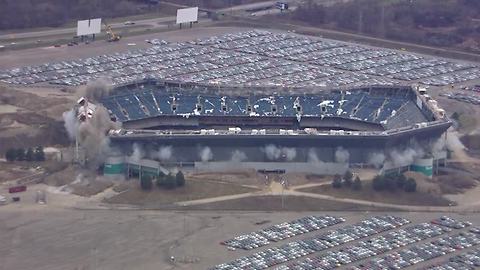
<point x="378" y="183"/>
<point x="400" y="181"/>
<point x="348" y="178"/>
<point x="11" y="155"/>
<point x="20" y="154"/>
<point x="39" y="154"/>
<point x="170" y="182"/>
<point x="30" y="155"/>
<point x="410" y="185"/>
<point x="180" y="178"/>
<point x="337" y="181"/>
<point x="146" y="182"/>
<point x="357" y="184"/>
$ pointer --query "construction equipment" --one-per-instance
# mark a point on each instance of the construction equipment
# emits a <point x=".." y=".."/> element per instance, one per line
<point x="111" y="35"/>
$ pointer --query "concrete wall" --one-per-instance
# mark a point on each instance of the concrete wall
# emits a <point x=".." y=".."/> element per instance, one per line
<point x="302" y="167"/>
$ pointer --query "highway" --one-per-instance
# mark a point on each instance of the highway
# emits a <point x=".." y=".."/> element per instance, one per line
<point x="161" y="21"/>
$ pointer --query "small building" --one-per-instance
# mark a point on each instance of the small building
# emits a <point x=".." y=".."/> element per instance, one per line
<point x="120" y="166"/>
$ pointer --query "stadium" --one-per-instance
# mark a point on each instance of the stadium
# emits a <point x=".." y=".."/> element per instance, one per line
<point x="390" y="128"/>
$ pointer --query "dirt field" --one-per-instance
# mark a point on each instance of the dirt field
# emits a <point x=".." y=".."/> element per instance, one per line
<point x="368" y="194"/>
<point x="36" y="121"/>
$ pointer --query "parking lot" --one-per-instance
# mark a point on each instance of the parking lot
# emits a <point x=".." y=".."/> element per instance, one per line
<point x="253" y="58"/>
<point x="135" y="239"/>
<point x="282" y="231"/>
<point x="385" y="242"/>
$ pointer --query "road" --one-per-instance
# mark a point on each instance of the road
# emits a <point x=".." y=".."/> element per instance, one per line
<point x="157" y="22"/>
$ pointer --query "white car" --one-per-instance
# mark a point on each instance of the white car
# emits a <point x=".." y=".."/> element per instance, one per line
<point x="128" y="23"/>
<point x="3" y="200"/>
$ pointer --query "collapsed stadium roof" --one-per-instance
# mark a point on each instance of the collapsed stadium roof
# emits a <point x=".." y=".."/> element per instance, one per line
<point x="362" y="109"/>
<point x="361" y="122"/>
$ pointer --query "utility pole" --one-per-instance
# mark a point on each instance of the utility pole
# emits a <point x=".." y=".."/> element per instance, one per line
<point x="360" y="21"/>
<point x="382" y="21"/>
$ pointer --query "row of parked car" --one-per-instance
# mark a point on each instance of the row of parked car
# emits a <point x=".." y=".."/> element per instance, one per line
<point x="282" y="231"/>
<point x="451" y="222"/>
<point x="296" y="249"/>
<point x="463" y="97"/>
<point x="373" y="61"/>
<point x="423" y="252"/>
<point x="250" y="58"/>
<point x="469" y="260"/>
<point x="368" y="248"/>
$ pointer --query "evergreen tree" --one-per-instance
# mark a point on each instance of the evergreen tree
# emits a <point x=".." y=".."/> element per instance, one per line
<point x="337" y="181"/>
<point x="20" y="154"/>
<point x="410" y="185"/>
<point x="160" y="180"/>
<point x="357" y="184"/>
<point x="180" y="178"/>
<point x="30" y="156"/>
<point x="401" y="180"/>
<point x="39" y="154"/>
<point x="11" y="155"/>
<point x="378" y="183"/>
<point x="170" y="182"/>
<point x="348" y="178"/>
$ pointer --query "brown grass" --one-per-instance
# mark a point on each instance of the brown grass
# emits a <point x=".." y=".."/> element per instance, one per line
<point x="368" y="194"/>
<point x="192" y="190"/>
<point x="452" y="184"/>
<point x="90" y="189"/>
<point x="291" y="203"/>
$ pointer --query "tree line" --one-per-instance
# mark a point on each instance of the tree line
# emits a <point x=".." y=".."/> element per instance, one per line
<point x="347" y="180"/>
<point x="16" y="14"/>
<point x="401" y="20"/>
<point x="393" y="183"/>
<point x="29" y="154"/>
<point x="379" y="183"/>
<point x="165" y="181"/>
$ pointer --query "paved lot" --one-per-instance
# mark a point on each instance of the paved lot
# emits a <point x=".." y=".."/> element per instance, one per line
<point x="252" y="58"/>
<point x="43" y="238"/>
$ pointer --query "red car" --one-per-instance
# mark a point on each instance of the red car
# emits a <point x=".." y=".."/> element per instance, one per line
<point x="17" y="189"/>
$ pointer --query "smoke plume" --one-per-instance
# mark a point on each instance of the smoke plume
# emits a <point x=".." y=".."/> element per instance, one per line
<point x="206" y="154"/>
<point x="405" y="157"/>
<point x="97" y="89"/>
<point x="165" y="153"/>
<point x="438" y="146"/>
<point x="92" y="133"/>
<point x="312" y="156"/>
<point x="137" y="153"/>
<point x="453" y="143"/>
<point x="327" y="168"/>
<point x="274" y="153"/>
<point x="238" y="156"/>
<point x="71" y="123"/>
<point x="376" y="159"/>
<point x="289" y="153"/>
<point x="341" y="155"/>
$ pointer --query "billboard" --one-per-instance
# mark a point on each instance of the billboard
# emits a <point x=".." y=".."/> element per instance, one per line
<point x="186" y="15"/>
<point x="89" y="27"/>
